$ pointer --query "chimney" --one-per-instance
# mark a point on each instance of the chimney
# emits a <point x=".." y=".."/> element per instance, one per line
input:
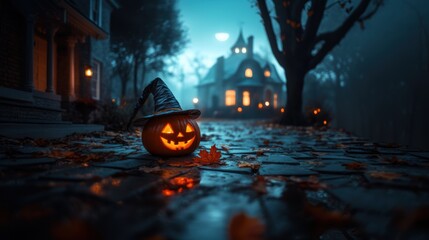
<point x="219" y="69"/>
<point x="250" y="47"/>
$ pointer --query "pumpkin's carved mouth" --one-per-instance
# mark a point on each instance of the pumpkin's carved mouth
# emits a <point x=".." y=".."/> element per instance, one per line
<point x="177" y="145"/>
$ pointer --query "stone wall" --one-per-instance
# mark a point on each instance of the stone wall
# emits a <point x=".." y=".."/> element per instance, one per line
<point x="12" y="36"/>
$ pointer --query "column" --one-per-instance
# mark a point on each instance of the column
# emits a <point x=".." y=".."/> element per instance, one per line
<point x="50" y="58"/>
<point x="71" y="42"/>
<point x="29" y="52"/>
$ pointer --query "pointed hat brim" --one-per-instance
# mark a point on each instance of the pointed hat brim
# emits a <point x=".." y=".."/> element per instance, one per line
<point x="192" y="113"/>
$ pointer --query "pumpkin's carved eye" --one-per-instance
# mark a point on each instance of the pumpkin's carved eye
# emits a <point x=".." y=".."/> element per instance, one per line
<point x="167" y="129"/>
<point x="189" y="128"/>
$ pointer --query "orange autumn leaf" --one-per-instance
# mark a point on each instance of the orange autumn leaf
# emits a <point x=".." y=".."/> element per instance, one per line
<point x="311" y="183"/>
<point x="354" y="166"/>
<point x="243" y="227"/>
<point x="208" y="157"/>
<point x="385" y="175"/>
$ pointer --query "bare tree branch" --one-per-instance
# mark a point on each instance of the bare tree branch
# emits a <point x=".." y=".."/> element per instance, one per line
<point x="370" y="14"/>
<point x="268" y="25"/>
<point x="334" y="37"/>
<point x="315" y="16"/>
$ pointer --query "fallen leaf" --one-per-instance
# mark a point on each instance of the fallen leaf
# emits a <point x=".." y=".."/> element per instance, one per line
<point x="260" y="185"/>
<point x="253" y="165"/>
<point x="395" y="160"/>
<point x="354" y="166"/>
<point x="311" y="183"/>
<point x="385" y="175"/>
<point x="208" y="157"/>
<point x="74" y="229"/>
<point x="325" y="219"/>
<point x="225" y="148"/>
<point x="61" y="154"/>
<point x="243" y="227"/>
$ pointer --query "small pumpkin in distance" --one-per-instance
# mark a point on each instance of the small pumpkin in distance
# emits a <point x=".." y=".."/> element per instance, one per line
<point x="171" y="135"/>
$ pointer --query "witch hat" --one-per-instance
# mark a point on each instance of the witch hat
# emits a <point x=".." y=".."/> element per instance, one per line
<point x="165" y="104"/>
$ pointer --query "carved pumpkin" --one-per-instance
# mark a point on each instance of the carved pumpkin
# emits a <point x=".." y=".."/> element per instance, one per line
<point x="173" y="135"/>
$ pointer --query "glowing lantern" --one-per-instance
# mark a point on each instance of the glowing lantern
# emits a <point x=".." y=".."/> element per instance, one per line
<point x="169" y="131"/>
<point x="267" y="103"/>
<point x="88" y="72"/>
<point x="282" y="110"/>
<point x="260" y="105"/>
<point x="239" y="109"/>
<point x="325" y="122"/>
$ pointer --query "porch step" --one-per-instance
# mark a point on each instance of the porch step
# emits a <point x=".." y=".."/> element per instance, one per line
<point x="48" y="131"/>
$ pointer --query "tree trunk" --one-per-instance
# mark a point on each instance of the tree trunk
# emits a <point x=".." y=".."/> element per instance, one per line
<point x="123" y="91"/>
<point x="143" y="74"/>
<point x="135" y="73"/>
<point x="295" y="83"/>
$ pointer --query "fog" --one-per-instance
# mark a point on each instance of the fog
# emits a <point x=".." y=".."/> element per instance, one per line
<point x="375" y="83"/>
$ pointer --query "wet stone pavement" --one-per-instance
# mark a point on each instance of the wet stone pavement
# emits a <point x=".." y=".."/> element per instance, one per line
<point x="271" y="182"/>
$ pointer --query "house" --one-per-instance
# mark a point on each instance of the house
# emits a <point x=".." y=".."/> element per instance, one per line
<point x="52" y="53"/>
<point x="243" y="85"/>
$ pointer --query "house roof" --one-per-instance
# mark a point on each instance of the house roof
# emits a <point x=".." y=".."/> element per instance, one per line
<point x="231" y="65"/>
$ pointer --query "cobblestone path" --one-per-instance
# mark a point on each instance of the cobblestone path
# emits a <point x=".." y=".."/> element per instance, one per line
<point x="272" y="182"/>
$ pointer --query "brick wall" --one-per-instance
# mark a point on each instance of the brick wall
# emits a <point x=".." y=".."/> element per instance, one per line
<point x="12" y="37"/>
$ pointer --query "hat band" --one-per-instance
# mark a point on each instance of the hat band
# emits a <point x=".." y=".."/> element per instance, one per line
<point x="167" y="110"/>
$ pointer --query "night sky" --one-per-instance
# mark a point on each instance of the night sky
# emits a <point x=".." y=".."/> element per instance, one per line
<point x="203" y="19"/>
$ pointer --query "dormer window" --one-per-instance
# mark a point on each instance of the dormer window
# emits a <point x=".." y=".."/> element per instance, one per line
<point x="248" y="73"/>
<point x="267" y="73"/>
<point x="237" y="50"/>
<point x="243" y="50"/>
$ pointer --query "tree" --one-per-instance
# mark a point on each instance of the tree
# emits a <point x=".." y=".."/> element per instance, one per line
<point x="302" y="46"/>
<point x="148" y="32"/>
<point x="122" y="66"/>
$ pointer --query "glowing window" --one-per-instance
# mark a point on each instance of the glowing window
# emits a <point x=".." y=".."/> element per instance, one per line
<point x="275" y="100"/>
<point x="229" y="97"/>
<point x="267" y="73"/>
<point x="244" y="50"/>
<point x="237" y="50"/>
<point x="246" y="98"/>
<point x="248" y="73"/>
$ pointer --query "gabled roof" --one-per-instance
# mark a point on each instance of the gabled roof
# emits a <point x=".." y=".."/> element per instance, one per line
<point x="231" y="66"/>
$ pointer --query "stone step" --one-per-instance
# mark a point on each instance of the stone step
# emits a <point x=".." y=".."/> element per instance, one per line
<point x="46" y="130"/>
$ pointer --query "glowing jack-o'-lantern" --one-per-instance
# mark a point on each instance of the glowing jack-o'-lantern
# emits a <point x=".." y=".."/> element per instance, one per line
<point x="169" y="131"/>
<point x="174" y="135"/>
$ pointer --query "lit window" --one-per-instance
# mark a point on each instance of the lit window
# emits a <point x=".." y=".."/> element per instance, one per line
<point x="275" y="100"/>
<point x="246" y="98"/>
<point x="237" y="50"/>
<point x="248" y="73"/>
<point x="244" y="50"/>
<point x="267" y="73"/>
<point x="229" y="97"/>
